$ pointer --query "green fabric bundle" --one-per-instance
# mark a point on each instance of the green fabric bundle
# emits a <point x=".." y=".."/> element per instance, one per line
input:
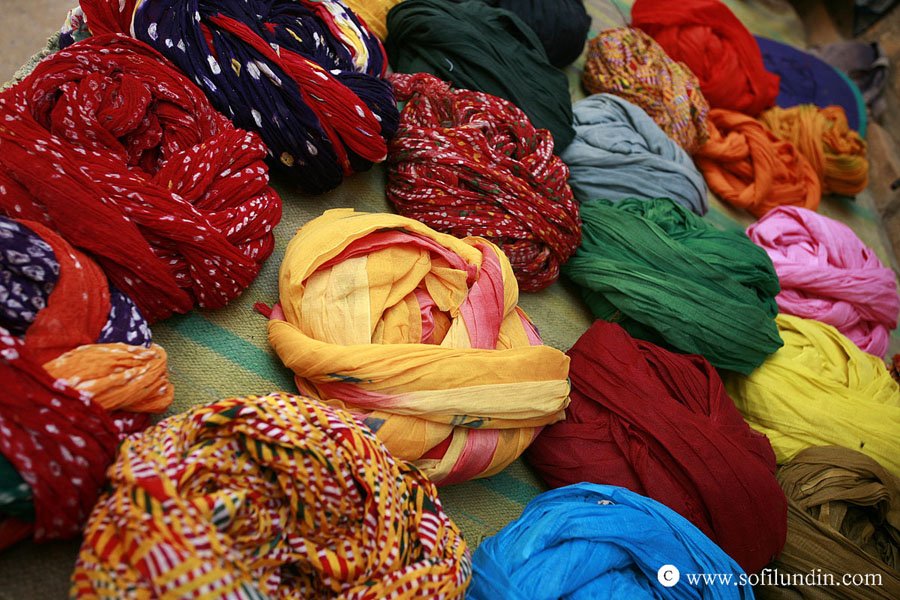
<point x="478" y="47"/>
<point x="669" y="277"/>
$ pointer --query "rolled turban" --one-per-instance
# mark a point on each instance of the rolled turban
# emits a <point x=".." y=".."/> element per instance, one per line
<point x="707" y="37"/>
<point x="107" y="144"/>
<point x="468" y="163"/>
<point x="267" y="497"/>
<point x="747" y="166"/>
<point x="419" y="334"/>
<point x="828" y="274"/>
<point x="373" y="13"/>
<point x="843" y="519"/>
<point x="619" y="152"/>
<point x="669" y="277"/>
<point x="628" y="63"/>
<point x="75" y="355"/>
<point x="823" y="136"/>
<point x="598" y="541"/>
<point x="303" y="74"/>
<point x="636" y="413"/>
<point x="820" y="389"/>
<point x="477" y="47"/>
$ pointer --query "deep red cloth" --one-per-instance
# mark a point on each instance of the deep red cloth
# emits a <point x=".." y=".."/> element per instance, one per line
<point x="708" y="38"/>
<point x="662" y="425"/>
<point x="107" y="144"/>
<point x="468" y="163"/>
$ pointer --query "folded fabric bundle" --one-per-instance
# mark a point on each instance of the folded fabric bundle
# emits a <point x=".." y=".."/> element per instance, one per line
<point x="419" y="334"/>
<point x="107" y="144"/>
<point x="660" y="424"/>
<point x="828" y="274"/>
<point x="303" y="74"/>
<point x="74" y="355"/>
<point x="747" y="166"/>
<point x="866" y="64"/>
<point x="628" y="63"/>
<point x="561" y="25"/>
<point x="468" y="163"/>
<point x="373" y="14"/>
<point x="481" y="48"/>
<point x="822" y="135"/>
<point x="619" y="152"/>
<point x="669" y="277"/>
<point x="267" y="497"/>
<point x="820" y="389"/>
<point x="806" y="79"/>
<point x="843" y="518"/>
<point x="712" y="42"/>
<point x="599" y="541"/>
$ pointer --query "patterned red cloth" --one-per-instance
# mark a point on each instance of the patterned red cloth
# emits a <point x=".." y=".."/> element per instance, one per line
<point x="662" y="425"/>
<point x="107" y="144"/>
<point x="468" y="163"/>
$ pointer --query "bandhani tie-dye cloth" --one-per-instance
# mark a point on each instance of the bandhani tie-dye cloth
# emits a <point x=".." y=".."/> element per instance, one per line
<point x="420" y="334"/>
<point x="276" y="496"/>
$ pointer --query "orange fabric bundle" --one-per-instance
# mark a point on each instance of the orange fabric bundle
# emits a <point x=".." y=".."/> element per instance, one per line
<point x="824" y="137"/>
<point x="748" y="167"/>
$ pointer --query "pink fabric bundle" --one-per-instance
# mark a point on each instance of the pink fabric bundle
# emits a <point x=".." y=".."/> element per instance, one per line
<point x="830" y="275"/>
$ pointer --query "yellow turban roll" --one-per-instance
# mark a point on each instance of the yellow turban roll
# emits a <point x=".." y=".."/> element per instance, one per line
<point x="820" y="389"/>
<point x="374" y="13"/>
<point x="419" y="334"/>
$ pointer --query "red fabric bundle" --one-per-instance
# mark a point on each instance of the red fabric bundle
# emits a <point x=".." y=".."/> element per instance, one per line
<point x="662" y="425"/>
<point x="468" y="163"/>
<point x="107" y="144"/>
<point x="708" y="38"/>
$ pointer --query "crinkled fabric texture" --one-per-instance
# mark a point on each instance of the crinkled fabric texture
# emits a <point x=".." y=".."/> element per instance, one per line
<point x="747" y="166"/>
<point x="836" y="152"/>
<point x="828" y="274"/>
<point x="636" y="414"/>
<point x="843" y="517"/>
<point x="619" y="153"/>
<point x="866" y="64"/>
<point x="707" y="37"/>
<point x="268" y="497"/>
<point x="468" y="163"/>
<point x="163" y="192"/>
<point x="597" y="541"/>
<point x="820" y="389"/>
<point x="628" y="63"/>
<point x="477" y="47"/>
<point x="303" y="74"/>
<point x="419" y="334"/>
<point x="669" y="277"/>
<point x="373" y="13"/>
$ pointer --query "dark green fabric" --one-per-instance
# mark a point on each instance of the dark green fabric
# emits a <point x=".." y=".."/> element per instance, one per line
<point x="15" y="494"/>
<point x="478" y="47"/>
<point x="670" y="277"/>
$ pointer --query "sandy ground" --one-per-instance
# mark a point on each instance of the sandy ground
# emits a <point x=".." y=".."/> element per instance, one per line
<point x="26" y="25"/>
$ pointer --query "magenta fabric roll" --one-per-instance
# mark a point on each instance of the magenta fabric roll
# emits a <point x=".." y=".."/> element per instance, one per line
<point x="830" y="275"/>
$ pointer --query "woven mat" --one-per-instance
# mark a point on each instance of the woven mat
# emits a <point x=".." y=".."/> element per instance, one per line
<point x="213" y="355"/>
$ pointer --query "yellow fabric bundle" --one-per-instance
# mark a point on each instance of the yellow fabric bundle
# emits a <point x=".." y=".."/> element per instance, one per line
<point x="419" y="333"/>
<point x="374" y="13"/>
<point x="820" y="389"/>
<point x="823" y="136"/>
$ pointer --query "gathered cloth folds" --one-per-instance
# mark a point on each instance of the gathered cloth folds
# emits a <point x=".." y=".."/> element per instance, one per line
<point x="306" y="75"/>
<point x="478" y="47"/>
<point x="707" y="37"/>
<point x="599" y="541"/>
<point x="418" y="333"/>
<point x="661" y="424"/>
<point x="669" y="277"/>
<point x="267" y="497"/>
<point x="828" y="274"/>
<point x="628" y="63"/>
<point x="619" y="153"/>
<point x="820" y="389"/>
<point x="747" y="166"/>
<point x="823" y="136"/>
<point x="468" y="163"/>
<point x="107" y="144"/>
<point x="843" y="519"/>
